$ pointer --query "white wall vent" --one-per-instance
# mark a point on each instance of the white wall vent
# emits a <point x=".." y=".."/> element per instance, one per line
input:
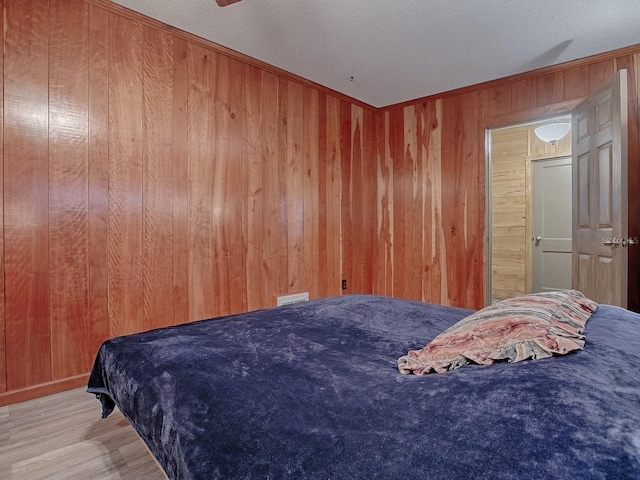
<point x="295" y="298"/>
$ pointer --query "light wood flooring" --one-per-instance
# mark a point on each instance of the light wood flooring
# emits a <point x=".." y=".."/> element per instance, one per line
<point x="63" y="437"/>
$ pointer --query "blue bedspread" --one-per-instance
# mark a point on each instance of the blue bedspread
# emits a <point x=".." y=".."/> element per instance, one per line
<point x="312" y="391"/>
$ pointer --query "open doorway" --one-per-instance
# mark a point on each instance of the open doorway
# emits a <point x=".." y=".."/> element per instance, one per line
<point x="513" y="151"/>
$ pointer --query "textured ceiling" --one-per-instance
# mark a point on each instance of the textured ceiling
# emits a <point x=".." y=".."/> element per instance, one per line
<point x="383" y="52"/>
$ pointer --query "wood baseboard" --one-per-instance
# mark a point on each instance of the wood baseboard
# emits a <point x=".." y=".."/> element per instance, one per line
<point x="42" y="389"/>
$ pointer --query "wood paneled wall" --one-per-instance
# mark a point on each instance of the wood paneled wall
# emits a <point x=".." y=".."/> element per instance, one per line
<point x="430" y="237"/>
<point x="150" y="179"/>
<point x="430" y="213"/>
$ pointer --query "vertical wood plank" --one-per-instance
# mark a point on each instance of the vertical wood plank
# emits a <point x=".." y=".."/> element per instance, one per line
<point x="200" y="99"/>
<point x="599" y="73"/>
<point x="384" y="207"/>
<point x="220" y="82"/>
<point x="550" y="88"/>
<point x="454" y="200"/>
<point x="227" y="178"/>
<point x="576" y="82"/>
<point x="427" y="125"/>
<point x="26" y="247"/>
<point x="438" y="264"/>
<point x="235" y="198"/>
<point x="368" y="199"/>
<point x="497" y="100"/>
<point x="283" y="173"/>
<point x="180" y="187"/>
<point x="356" y="259"/>
<point x="126" y="312"/>
<point x="420" y="186"/>
<point x="323" y="170"/>
<point x="376" y="253"/>
<point x="157" y="178"/>
<point x="412" y="226"/>
<point x="98" y="176"/>
<point x="253" y="160"/>
<point x="71" y="352"/>
<point x="270" y="266"/>
<point x="447" y="199"/>
<point x="474" y="206"/>
<point x="334" y="197"/>
<point x="396" y="150"/>
<point x="295" y="189"/>
<point x="523" y="94"/>
<point x="346" y="171"/>
<point x="3" y="359"/>
<point x="311" y="247"/>
<point x="389" y="160"/>
<point x="244" y="187"/>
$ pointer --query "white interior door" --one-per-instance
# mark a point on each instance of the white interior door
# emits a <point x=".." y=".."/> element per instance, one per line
<point x="600" y="222"/>
<point x="551" y="241"/>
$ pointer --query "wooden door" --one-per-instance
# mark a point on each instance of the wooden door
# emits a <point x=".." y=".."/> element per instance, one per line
<point x="599" y="180"/>
<point x="551" y="240"/>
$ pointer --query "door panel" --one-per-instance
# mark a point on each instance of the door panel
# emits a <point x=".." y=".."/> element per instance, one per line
<point x="606" y="270"/>
<point x="556" y="274"/>
<point x="552" y="228"/>
<point x="605" y="189"/>
<point x="599" y="190"/>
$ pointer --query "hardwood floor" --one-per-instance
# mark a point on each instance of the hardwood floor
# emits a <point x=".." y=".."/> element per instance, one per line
<point x="62" y="436"/>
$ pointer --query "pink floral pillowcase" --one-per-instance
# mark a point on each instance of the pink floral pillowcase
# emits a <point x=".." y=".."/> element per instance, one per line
<point x="527" y="327"/>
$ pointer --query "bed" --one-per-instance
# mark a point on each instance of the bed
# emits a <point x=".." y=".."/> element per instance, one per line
<point x="313" y="391"/>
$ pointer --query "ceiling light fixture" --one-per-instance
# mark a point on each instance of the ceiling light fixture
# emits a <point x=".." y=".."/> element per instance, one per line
<point x="552" y="132"/>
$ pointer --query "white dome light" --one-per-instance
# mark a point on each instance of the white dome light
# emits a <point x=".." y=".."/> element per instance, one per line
<point x="552" y="132"/>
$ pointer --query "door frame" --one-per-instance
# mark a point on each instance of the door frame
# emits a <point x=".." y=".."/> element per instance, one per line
<point x="485" y="125"/>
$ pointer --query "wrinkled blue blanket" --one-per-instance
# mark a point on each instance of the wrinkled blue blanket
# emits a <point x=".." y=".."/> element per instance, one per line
<point x="312" y="391"/>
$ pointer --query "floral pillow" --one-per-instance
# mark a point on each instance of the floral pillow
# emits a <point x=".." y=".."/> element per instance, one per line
<point x="527" y="327"/>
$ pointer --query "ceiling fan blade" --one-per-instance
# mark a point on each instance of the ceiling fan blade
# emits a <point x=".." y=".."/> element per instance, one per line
<point x="224" y="3"/>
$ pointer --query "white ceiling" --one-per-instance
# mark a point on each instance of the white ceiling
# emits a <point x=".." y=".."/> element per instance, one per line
<point x="383" y="52"/>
